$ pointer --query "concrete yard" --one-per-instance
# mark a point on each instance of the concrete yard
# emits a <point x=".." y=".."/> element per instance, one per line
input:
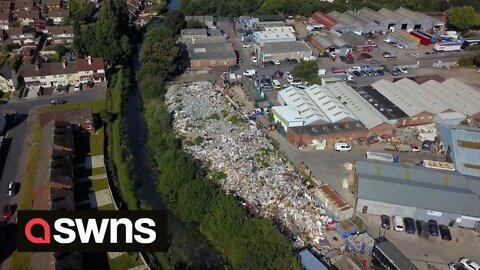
<point x="432" y="251"/>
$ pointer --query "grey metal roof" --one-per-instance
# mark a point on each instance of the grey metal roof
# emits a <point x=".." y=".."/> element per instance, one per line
<point x="396" y="257"/>
<point x="344" y="19"/>
<point x="329" y="41"/>
<point x="362" y="109"/>
<point x="465" y="145"/>
<point x="211" y="51"/>
<point x="374" y="16"/>
<point x="309" y="261"/>
<point x="393" y="15"/>
<point x="407" y="104"/>
<point x="416" y="186"/>
<point x="416" y="17"/>
<point x="363" y="20"/>
<point x="285" y="47"/>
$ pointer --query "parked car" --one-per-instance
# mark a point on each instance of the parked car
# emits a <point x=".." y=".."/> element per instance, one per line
<point x="288" y="61"/>
<point x="357" y="73"/>
<point x="277" y="63"/>
<point x="264" y="64"/>
<point x="398" y="223"/>
<point x="445" y="232"/>
<point x="389" y="55"/>
<point x="433" y="227"/>
<point x="12" y="189"/>
<point x="415" y="147"/>
<point x="409" y="225"/>
<point x="254" y="60"/>
<point x="57" y="102"/>
<point x="343" y="58"/>
<point x="423" y="229"/>
<point x="247" y="45"/>
<point x="374" y="62"/>
<point x="294" y="61"/>
<point x="7" y="211"/>
<point x="271" y="63"/>
<point x="366" y="55"/>
<point x="349" y="61"/>
<point x="342" y="147"/>
<point x="287" y="74"/>
<point x="403" y="70"/>
<point x="426" y="145"/>
<point x="296" y="82"/>
<point x="455" y="266"/>
<point x="385" y="221"/>
<point x="469" y="264"/>
<point x="380" y="72"/>
<point x="239" y="60"/>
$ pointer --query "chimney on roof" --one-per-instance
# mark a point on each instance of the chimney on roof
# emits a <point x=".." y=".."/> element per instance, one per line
<point x="89" y="58"/>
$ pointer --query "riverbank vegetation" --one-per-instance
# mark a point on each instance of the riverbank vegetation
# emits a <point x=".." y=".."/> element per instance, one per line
<point x="247" y="243"/>
<point x="235" y="8"/>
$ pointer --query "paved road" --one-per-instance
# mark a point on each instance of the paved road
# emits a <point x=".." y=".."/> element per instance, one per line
<point x="18" y="151"/>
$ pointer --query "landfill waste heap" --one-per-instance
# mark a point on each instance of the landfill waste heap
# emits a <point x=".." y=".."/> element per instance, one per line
<point x="252" y="170"/>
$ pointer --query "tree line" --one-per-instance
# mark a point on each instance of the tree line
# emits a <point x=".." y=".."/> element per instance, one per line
<point x="247" y="243"/>
<point x="235" y="8"/>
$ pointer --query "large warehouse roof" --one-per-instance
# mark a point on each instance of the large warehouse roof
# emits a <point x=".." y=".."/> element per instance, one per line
<point x="359" y="18"/>
<point x="323" y="18"/>
<point x="465" y="145"/>
<point x="328" y="103"/>
<point x="211" y="51"/>
<point x="413" y="16"/>
<point x="430" y="102"/>
<point x="308" y="110"/>
<point x="285" y="47"/>
<point x="408" y="185"/>
<point x="453" y="96"/>
<point x="463" y="89"/>
<point x="362" y="109"/>
<point x="407" y="104"/>
<point x="373" y="15"/>
<point x="392" y="15"/>
<point x="329" y="41"/>
<point x="343" y="19"/>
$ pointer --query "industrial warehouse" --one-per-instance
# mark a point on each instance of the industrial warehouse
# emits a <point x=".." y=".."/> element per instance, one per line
<point x="367" y="20"/>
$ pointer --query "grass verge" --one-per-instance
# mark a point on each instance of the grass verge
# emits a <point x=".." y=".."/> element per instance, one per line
<point x="125" y="261"/>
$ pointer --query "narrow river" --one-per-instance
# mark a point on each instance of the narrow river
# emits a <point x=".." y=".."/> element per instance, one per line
<point x="187" y="242"/>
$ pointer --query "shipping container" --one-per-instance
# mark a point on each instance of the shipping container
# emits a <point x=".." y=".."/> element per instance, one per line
<point x="471" y="42"/>
<point x="433" y="37"/>
<point x="423" y="39"/>
<point x="448" y="46"/>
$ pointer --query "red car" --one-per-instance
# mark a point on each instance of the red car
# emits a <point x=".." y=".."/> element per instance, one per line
<point x="264" y="64"/>
<point x="7" y="211"/>
<point x="415" y="147"/>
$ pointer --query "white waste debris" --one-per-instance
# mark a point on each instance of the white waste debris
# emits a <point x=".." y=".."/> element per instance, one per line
<point x="222" y="137"/>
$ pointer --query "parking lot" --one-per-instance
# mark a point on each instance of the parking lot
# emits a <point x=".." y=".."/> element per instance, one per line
<point x="432" y="251"/>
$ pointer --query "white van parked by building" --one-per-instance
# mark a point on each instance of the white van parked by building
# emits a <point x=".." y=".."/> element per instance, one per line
<point x="342" y="147"/>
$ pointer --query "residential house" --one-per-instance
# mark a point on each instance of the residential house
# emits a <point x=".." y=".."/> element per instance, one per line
<point x="48" y="74"/>
<point x="90" y="69"/>
<point x="5" y="19"/>
<point x="22" y="35"/>
<point x="56" y="16"/>
<point x="24" y="5"/>
<point x="8" y="80"/>
<point x="61" y="34"/>
<point x="27" y="18"/>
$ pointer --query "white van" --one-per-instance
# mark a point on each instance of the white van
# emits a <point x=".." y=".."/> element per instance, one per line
<point x="276" y="85"/>
<point x="249" y="72"/>
<point x="398" y="223"/>
<point x="341" y="146"/>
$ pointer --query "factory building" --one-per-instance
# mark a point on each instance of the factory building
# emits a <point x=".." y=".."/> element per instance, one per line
<point x="263" y="37"/>
<point x="330" y="43"/>
<point x="281" y="50"/>
<point x="421" y="193"/>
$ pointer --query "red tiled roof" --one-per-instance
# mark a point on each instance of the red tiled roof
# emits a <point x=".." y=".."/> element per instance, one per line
<point x="324" y="19"/>
<point x="83" y="65"/>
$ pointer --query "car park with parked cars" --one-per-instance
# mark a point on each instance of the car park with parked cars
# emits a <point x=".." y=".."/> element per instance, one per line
<point x="445" y="233"/>
<point x="385" y="222"/>
<point x="398" y="223"/>
<point x="433" y="227"/>
<point x="469" y="264"/>
<point x="455" y="266"/>
<point x="423" y="229"/>
<point x="409" y="225"/>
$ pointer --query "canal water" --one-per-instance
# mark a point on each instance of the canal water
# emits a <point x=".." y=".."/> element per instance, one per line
<point x="188" y="244"/>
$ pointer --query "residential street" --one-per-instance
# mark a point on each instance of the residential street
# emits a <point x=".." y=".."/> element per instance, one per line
<point x="19" y="138"/>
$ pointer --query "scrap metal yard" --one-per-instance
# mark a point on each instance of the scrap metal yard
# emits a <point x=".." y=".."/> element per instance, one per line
<point x="244" y="162"/>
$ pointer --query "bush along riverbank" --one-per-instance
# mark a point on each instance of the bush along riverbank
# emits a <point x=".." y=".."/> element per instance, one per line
<point x="247" y="243"/>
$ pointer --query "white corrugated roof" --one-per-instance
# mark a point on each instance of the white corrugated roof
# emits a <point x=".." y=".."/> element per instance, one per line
<point x="406" y="103"/>
<point x="280" y="29"/>
<point x="452" y="96"/>
<point x="328" y="103"/>
<point x="464" y="90"/>
<point x="306" y="107"/>
<point x="430" y="102"/>
<point x="289" y="113"/>
<point x="267" y="35"/>
<point x="361" y="108"/>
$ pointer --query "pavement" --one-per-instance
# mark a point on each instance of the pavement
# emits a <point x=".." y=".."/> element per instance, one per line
<point x="20" y="137"/>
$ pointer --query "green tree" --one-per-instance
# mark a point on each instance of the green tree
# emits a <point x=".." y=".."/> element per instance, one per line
<point x="44" y="9"/>
<point x="307" y="70"/>
<point x="175" y="21"/>
<point x="194" y="199"/>
<point x="463" y="18"/>
<point x="195" y="24"/>
<point x="80" y="10"/>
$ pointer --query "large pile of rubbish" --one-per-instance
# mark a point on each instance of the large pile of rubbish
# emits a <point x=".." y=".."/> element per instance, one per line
<point x="242" y="160"/>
